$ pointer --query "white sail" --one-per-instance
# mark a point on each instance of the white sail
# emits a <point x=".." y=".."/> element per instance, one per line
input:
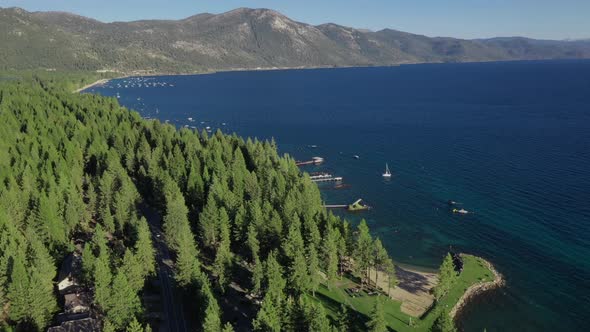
<point x="387" y="173"/>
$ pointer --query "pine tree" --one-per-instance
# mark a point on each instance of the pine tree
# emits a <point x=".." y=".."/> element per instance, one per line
<point x="389" y="269"/>
<point x="447" y="277"/>
<point x="380" y="258"/>
<point x="134" y="326"/>
<point x="443" y="323"/>
<point x="18" y="289"/>
<point x="108" y="326"/>
<point x="314" y="269"/>
<point x="88" y="263"/>
<point x="91" y="198"/>
<point x="48" y="217"/>
<point x="124" y="303"/>
<point x="270" y="314"/>
<point x="75" y="209"/>
<point x="187" y="263"/>
<point x="212" y="322"/>
<point x="176" y="219"/>
<point x="294" y="244"/>
<point x="227" y="328"/>
<point x="299" y="279"/>
<point x="274" y="279"/>
<point x="363" y="249"/>
<point x="132" y="269"/>
<point x="102" y="281"/>
<point x="343" y="323"/>
<point x="330" y="252"/>
<point x="377" y="318"/>
<point x="257" y="275"/>
<point x="144" y="249"/>
<point x="253" y="243"/>
<point x="223" y="257"/>
<point x="42" y="271"/>
<point x="268" y="318"/>
<point x="317" y="319"/>
<point x="209" y="223"/>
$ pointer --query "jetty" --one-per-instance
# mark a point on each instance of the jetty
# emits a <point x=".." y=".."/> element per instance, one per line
<point x="357" y="205"/>
<point x="313" y="161"/>
<point x="325" y="178"/>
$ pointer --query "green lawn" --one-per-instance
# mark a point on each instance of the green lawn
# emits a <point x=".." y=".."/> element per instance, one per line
<point x="474" y="271"/>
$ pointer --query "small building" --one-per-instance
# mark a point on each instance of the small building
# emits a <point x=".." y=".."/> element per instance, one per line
<point x="75" y="303"/>
<point x="79" y="325"/>
<point x="69" y="273"/>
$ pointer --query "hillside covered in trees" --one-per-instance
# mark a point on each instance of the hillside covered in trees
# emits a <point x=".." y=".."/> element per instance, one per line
<point x="77" y="174"/>
<point x="241" y="38"/>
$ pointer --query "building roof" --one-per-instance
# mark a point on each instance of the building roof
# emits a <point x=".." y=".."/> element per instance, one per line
<point x="77" y="302"/>
<point x="80" y="325"/>
<point x="69" y="272"/>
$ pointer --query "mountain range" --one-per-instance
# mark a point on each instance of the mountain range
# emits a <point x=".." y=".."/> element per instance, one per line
<point x="239" y="39"/>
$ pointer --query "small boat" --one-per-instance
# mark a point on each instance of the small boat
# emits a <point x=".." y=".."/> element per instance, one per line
<point x="460" y="211"/>
<point x="356" y="156"/>
<point x="387" y="173"/>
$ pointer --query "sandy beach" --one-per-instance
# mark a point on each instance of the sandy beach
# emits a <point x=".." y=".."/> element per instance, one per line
<point x="413" y="289"/>
<point x="99" y="82"/>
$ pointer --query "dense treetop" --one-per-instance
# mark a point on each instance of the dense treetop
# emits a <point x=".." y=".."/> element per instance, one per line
<point x="79" y="167"/>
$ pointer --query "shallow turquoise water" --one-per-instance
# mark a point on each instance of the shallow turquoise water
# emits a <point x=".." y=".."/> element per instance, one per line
<point x="510" y="141"/>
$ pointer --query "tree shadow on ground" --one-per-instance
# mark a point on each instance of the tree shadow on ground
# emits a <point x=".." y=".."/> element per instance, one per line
<point x="411" y="281"/>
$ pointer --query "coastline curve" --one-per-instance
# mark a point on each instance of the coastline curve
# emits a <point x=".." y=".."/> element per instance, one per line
<point x="479" y="288"/>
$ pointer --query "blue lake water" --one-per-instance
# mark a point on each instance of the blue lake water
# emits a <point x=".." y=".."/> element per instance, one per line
<point x="510" y="141"/>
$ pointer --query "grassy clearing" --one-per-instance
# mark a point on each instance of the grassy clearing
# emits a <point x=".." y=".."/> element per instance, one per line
<point x="474" y="271"/>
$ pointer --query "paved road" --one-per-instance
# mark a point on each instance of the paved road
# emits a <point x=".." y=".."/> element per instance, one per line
<point x="174" y="320"/>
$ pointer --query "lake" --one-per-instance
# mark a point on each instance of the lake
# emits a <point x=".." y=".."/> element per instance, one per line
<point x="509" y="141"/>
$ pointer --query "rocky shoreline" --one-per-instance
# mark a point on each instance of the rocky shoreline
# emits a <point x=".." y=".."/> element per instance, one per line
<point x="478" y="289"/>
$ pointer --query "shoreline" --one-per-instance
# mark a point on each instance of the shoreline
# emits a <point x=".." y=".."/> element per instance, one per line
<point x="88" y="86"/>
<point x="478" y="289"/>
<point x="228" y="70"/>
<point x="146" y="73"/>
<point x="415" y="301"/>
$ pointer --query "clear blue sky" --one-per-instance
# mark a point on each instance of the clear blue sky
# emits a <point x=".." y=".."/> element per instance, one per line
<point x="551" y="19"/>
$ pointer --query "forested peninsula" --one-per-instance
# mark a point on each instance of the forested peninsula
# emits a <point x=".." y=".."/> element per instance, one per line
<point x="111" y="222"/>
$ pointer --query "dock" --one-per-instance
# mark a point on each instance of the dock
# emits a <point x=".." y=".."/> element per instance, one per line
<point x="313" y="161"/>
<point x="358" y="205"/>
<point x="335" y="179"/>
<point x="325" y="178"/>
<point x="344" y="206"/>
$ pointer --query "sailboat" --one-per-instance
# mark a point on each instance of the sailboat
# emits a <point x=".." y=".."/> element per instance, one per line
<point x="387" y="173"/>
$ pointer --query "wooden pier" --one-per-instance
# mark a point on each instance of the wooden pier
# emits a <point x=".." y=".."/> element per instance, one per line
<point x="357" y="205"/>
<point x="336" y="206"/>
<point x="325" y="178"/>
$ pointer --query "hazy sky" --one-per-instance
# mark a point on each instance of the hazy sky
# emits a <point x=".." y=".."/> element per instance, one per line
<point x="550" y="19"/>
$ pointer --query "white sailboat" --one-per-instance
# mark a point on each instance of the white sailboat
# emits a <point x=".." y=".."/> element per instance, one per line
<point x="387" y="173"/>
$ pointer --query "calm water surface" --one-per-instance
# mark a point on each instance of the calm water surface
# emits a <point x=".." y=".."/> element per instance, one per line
<point x="510" y="141"/>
